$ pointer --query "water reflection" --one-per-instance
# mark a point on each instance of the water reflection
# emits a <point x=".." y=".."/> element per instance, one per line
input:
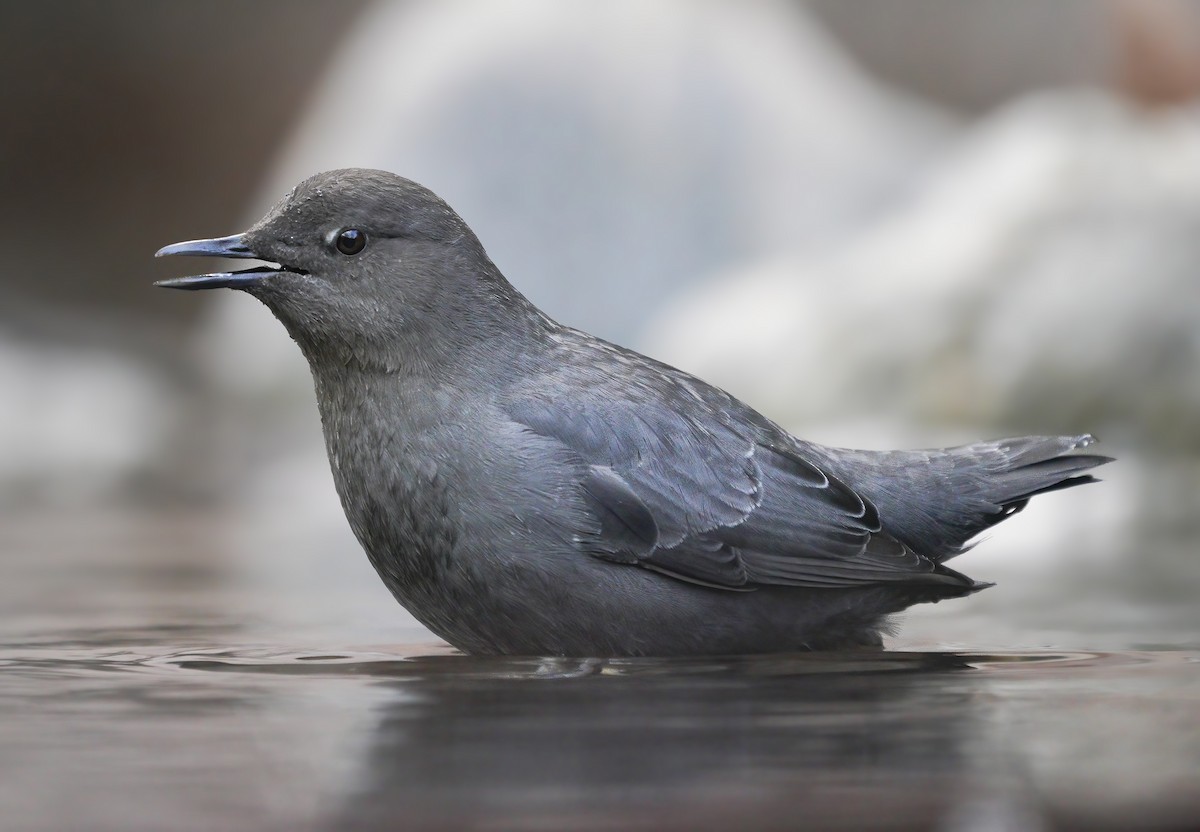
<point x="417" y="737"/>
<point x="678" y="744"/>
<point x="190" y="703"/>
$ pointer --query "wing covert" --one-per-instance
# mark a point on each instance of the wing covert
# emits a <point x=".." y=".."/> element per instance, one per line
<point x="693" y="496"/>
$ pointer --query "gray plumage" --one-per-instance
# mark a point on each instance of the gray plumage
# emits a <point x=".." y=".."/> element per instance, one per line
<point x="523" y="487"/>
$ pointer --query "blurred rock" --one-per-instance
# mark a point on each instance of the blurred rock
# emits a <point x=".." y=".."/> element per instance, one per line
<point x="978" y="55"/>
<point x="1045" y="279"/>
<point x="608" y="154"/>
<point x="84" y="425"/>
<point x="999" y="50"/>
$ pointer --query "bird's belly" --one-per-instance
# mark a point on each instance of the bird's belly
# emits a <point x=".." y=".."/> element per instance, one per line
<point x="539" y="605"/>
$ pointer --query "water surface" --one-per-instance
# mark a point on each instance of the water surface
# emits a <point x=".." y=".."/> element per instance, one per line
<point x="143" y="688"/>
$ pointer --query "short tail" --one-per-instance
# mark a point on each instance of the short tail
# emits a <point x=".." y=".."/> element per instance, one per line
<point x="1030" y="465"/>
<point x="938" y="501"/>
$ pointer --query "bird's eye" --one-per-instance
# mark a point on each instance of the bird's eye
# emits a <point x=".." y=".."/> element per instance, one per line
<point x="351" y="241"/>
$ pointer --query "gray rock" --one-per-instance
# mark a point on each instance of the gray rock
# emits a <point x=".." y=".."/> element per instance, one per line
<point x="1045" y="275"/>
<point x="653" y="143"/>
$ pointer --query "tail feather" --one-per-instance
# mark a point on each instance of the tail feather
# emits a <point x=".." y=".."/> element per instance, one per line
<point x="1069" y="482"/>
<point x="1018" y="479"/>
<point x="937" y="501"/>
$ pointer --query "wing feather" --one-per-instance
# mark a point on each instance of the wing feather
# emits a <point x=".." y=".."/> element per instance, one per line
<point x="717" y="496"/>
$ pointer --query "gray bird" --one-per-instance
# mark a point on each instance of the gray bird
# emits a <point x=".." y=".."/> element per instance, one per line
<point x="526" y="488"/>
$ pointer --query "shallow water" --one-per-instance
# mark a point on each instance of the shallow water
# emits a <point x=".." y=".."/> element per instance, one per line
<point x="138" y="693"/>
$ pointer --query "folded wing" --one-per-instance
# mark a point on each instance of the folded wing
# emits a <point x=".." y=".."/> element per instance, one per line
<point x="731" y="504"/>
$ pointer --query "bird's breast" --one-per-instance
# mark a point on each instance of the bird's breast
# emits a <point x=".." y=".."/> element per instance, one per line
<point x="384" y="450"/>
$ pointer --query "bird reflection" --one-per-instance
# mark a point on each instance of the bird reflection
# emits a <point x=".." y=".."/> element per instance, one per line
<point x="858" y="739"/>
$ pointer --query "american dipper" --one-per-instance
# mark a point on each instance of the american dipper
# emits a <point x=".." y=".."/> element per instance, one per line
<point x="526" y="488"/>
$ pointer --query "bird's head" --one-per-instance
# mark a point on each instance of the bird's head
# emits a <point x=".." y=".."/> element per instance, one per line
<point x="361" y="264"/>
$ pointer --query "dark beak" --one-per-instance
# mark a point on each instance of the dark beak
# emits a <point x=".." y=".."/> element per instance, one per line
<point x="232" y="246"/>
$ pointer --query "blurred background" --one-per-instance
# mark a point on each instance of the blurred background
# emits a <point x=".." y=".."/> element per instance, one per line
<point x="910" y="223"/>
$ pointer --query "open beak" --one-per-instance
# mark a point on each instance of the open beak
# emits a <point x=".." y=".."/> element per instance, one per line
<point x="232" y="246"/>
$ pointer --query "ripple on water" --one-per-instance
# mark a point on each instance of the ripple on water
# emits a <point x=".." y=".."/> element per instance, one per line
<point x="354" y="737"/>
<point x="142" y="650"/>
